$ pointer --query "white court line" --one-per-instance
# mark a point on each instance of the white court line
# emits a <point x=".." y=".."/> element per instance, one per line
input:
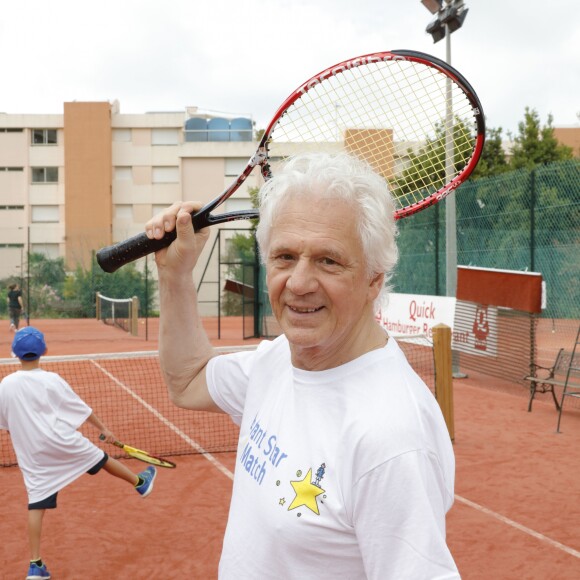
<point x="223" y="469"/>
<point x="191" y="442"/>
<point x="528" y="531"/>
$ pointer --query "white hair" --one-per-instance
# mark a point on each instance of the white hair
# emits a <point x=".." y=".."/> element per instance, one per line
<point x="317" y="176"/>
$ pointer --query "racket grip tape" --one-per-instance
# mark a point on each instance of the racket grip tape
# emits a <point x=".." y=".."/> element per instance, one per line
<point x="111" y="258"/>
<point x="116" y="443"/>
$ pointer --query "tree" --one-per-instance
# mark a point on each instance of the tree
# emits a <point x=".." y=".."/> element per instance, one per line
<point x="493" y="159"/>
<point x="241" y="258"/>
<point x="43" y="297"/>
<point x="535" y="144"/>
<point x="426" y="168"/>
<point x="81" y="287"/>
<point x="416" y="271"/>
<point x="47" y="271"/>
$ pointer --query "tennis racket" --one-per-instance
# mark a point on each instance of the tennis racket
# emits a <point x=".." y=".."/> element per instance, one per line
<point x="412" y="117"/>
<point x="142" y="455"/>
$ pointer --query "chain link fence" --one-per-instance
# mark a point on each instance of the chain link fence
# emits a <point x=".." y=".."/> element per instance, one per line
<point x="521" y="220"/>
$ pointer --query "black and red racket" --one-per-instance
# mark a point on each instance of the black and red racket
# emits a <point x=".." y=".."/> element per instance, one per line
<point x="386" y="108"/>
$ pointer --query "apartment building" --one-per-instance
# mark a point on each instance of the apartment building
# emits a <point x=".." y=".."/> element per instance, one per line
<point x="73" y="183"/>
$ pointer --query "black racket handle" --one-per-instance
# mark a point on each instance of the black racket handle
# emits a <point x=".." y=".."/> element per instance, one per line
<point x="111" y="258"/>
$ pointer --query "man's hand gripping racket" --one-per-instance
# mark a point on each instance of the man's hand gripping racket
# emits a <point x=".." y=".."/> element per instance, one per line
<point x="141" y="455"/>
<point x="381" y="107"/>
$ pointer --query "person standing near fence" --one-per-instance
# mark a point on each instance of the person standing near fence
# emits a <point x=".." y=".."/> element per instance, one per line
<point x="15" y="306"/>
<point x="42" y="414"/>
<point x="345" y="467"/>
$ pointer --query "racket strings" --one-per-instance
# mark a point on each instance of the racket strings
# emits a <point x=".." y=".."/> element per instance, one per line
<point x="142" y="456"/>
<point x="386" y="113"/>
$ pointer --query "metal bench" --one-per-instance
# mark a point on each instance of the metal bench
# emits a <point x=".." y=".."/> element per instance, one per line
<point x="572" y="380"/>
<point x="544" y="379"/>
<point x="564" y="373"/>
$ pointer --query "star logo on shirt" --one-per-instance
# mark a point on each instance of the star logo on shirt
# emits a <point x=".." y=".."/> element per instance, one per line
<point x="306" y="493"/>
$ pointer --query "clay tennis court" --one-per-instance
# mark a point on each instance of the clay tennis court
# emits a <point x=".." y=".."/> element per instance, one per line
<point x="516" y="514"/>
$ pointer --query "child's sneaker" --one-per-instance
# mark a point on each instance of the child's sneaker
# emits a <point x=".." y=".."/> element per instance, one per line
<point x="35" y="572"/>
<point x="148" y="477"/>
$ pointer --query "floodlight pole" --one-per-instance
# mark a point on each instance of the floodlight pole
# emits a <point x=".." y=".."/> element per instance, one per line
<point x="450" y="209"/>
<point x="448" y="11"/>
<point x="28" y="277"/>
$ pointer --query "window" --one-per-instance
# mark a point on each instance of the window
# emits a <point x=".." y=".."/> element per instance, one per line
<point x="155" y="208"/>
<point x="45" y="213"/>
<point x="45" y="175"/>
<point x="124" y="212"/>
<point x="123" y="174"/>
<point x="43" y="136"/>
<point x="164" y="137"/>
<point x="122" y="135"/>
<point x="238" y="204"/>
<point x="235" y="165"/>
<point x="165" y="174"/>
<point x="10" y="130"/>
<point x="51" y="251"/>
<point x="11" y="168"/>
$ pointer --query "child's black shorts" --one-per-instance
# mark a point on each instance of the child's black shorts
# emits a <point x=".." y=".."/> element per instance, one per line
<point x="49" y="503"/>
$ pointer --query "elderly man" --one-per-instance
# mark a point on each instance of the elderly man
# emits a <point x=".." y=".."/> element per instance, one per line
<point x="344" y="467"/>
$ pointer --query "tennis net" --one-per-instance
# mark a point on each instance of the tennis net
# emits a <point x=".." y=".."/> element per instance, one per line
<point x="128" y="393"/>
<point x="120" y="312"/>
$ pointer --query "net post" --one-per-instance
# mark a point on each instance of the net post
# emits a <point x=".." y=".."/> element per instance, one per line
<point x="98" y="305"/>
<point x="444" y="374"/>
<point x="135" y="316"/>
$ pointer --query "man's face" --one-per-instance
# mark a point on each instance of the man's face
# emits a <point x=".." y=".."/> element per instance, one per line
<point x="318" y="284"/>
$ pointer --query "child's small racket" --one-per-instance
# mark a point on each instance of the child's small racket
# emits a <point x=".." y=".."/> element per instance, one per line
<point x="142" y="455"/>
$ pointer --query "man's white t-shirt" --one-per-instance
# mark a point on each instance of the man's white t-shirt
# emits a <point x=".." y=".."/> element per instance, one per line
<point x="344" y="473"/>
<point x="43" y="413"/>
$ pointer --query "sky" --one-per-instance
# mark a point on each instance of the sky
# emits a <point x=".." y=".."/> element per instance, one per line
<point x="246" y="56"/>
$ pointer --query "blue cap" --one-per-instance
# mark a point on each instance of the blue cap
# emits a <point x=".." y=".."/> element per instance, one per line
<point x="28" y="344"/>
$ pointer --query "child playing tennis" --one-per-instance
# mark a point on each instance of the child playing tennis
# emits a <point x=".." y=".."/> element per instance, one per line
<point x="43" y="413"/>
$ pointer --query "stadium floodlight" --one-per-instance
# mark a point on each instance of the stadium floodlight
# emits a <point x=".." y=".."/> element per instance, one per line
<point x="432" y="5"/>
<point x="436" y="29"/>
<point x="449" y="17"/>
<point x="453" y="16"/>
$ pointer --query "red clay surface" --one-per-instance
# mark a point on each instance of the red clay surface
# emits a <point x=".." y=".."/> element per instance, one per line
<point x="516" y="515"/>
<point x="87" y="336"/>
